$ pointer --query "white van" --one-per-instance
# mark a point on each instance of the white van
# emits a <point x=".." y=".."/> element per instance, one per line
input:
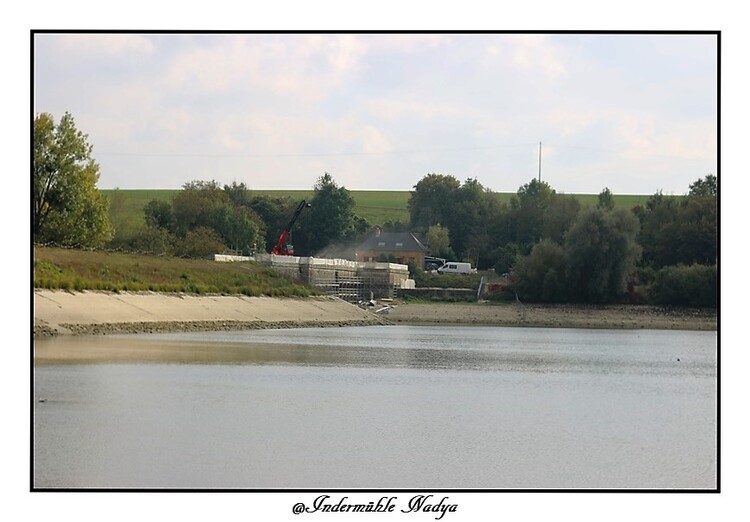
<point x="453" y="267"/>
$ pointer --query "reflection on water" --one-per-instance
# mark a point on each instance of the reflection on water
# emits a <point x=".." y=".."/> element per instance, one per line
<point x="386" y="407"/>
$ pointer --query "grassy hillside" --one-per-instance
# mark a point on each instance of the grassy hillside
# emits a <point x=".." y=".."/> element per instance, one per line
<point x="56" y="268"/>
<point x="126" y="206"/>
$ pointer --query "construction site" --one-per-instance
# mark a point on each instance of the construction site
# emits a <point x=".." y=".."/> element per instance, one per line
<point x="352" y="281"/>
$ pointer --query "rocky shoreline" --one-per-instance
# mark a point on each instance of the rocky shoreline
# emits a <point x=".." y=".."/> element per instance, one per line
<point x="44" y="330"/>
<point x="557" y="316"/>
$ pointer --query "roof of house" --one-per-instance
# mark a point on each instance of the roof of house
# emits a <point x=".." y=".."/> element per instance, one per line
<point x="392" y="242"/>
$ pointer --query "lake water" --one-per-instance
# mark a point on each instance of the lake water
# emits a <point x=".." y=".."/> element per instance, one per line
<point x="378" y="407"/>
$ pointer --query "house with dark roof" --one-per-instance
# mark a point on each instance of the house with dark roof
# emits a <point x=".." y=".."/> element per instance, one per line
<point x="403" y="246"/>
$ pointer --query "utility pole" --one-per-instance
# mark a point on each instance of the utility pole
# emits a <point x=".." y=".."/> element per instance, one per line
<point x="540" y="161"/>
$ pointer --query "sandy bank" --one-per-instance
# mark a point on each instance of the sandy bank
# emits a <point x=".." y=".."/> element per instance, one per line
<point x="58" y="312"/>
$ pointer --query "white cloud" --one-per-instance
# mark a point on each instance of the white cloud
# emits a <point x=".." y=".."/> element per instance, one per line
<point x="108" y="44"/>
<point x="213" y="69"/>
<point x="538" y="53"/>
<point x="344" y="52"/>
<point x="384" y="108"/>
<point x="374" y="141"/>
<point x="570" y="123"/>
<point x="643" y="140"/>
<point x="399" y="110"/>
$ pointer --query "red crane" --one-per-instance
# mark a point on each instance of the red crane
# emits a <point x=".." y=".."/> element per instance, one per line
<point x="283" y="248"/>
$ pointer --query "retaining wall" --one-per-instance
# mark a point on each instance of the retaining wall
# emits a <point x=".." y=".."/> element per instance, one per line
<point x="439" y="293"/>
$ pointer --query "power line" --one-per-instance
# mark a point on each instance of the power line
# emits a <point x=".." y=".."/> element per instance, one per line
<point x="441" y="150"/>
<point x="306" y="154"/>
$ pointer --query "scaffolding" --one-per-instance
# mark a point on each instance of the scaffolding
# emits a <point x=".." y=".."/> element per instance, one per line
<point x="349" y="280"/>
<point x="357" y="288"/>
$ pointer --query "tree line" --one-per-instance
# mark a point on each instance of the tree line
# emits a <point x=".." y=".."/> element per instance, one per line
<point x="553" y="248"/>
<point x="558" y="250"/>
<point x="206" y="217"/>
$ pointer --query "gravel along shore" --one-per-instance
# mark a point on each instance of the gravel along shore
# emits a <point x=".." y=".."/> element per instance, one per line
<point x="555" y="316"/>
<point x="61" y="312"/>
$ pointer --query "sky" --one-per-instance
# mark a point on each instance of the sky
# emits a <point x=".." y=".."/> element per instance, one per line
<point x="635" y="113"/>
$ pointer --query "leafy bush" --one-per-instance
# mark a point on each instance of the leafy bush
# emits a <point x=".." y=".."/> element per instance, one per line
<point x="646" y="275"/>
<point x="540" y="276"/>
<point x="152" y="240"/>
<point x="680" y="285"/>
<point x="505" y="257"/>
<point x="201" y="242"/>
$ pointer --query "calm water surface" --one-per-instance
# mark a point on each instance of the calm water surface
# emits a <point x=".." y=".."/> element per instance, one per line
<point x="378" y="407"/>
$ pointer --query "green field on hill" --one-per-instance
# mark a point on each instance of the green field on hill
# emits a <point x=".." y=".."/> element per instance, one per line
<point x="376" y="206"/>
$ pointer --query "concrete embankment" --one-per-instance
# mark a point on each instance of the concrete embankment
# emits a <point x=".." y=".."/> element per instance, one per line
<point x="59" y="312"/>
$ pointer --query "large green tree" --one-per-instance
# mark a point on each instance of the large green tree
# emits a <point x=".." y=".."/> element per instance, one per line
<point x="206" y="205"/>
<point x="540" y="276"/>
<point x="471" y="215"/>
<point x="592" y="266"/>
<point x="699" y="223"/>
<point x="681" y="230"/>
<point x="431" y="200"/>
<point x="330" y="219"/>
<point x="438" y="239"/>
<point x="562" y="211"/>
<point x="708" y="186"/>
<point x="601" y="252"/>
<point x="197" y="205"/>
<point x="239" y="227"/>
<point x="606" y="200"/>
<point x="657" y="236"/>
<point x="275" y="213"/>
<point x="697" y="231"/>
<point x="68" y="208"/>
<point x="470" y="212"/>
<point x="527" y="215"/>
<point x="158" y="214"/>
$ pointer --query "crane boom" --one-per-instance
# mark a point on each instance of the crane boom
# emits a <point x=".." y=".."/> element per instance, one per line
<point x="282" y="247"/>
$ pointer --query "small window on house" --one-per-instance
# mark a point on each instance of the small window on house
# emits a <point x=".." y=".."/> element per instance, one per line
<point x="399" y="244"/>
<point x="381" y="243"/>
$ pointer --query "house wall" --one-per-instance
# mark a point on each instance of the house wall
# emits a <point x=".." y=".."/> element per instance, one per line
<point x="402" y="256"/>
